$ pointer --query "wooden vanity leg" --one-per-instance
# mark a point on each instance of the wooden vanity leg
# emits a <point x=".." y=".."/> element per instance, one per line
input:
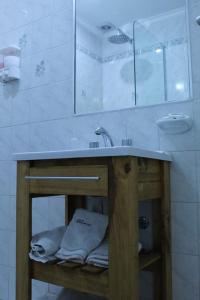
<point x="166" y="235"/>
<point x="24" y="232"/>
<point x="123" y="245"/>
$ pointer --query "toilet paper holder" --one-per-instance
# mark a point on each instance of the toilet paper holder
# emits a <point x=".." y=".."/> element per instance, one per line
<point x="10" y="59"/>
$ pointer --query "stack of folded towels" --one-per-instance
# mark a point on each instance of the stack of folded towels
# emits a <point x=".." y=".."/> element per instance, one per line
<point x="84" y="240"/>
<point x="84" y="233"/>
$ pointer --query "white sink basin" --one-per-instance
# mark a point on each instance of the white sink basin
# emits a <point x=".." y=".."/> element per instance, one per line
<point x="96" y="152"/>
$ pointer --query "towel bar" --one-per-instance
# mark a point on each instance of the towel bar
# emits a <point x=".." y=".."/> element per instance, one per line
<point x="94" y="178"/>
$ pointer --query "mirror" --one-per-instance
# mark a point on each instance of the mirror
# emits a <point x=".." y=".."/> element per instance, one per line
<point x="130" y="53"/>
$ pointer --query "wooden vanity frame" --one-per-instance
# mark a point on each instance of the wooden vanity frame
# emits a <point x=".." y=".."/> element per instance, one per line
<point x="125" y="181"/>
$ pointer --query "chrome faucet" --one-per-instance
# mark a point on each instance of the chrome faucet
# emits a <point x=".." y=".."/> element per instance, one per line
<point x="106" y="136"/>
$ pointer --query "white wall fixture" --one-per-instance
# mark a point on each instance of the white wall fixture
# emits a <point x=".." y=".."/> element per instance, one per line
<point x="175" y="123"/>
<point x="10" y="63"/>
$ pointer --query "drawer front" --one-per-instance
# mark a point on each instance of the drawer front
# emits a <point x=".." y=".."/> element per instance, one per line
<point x="72" y="180"/>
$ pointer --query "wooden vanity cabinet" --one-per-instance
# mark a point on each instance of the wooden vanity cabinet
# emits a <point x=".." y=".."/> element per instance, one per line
<point x="125" y="181"/>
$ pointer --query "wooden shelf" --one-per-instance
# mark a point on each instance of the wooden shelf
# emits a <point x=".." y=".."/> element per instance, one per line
<point x="82" y="278"/>
<point x="149" y="259"/>
<point x="73" y="278"/>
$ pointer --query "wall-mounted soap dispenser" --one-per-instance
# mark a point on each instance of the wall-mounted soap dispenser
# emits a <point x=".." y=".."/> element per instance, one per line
<point x="10" y="63"/>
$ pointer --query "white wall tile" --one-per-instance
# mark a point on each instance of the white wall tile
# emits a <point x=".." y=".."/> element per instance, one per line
<point x="39" y="289"/>
<point x="61" y="62"/>
<point x="20" y="37"/>
<point x="41" y="32"/>
<point x="5" y="143"/>
<point x="5" y="111"/>
<point x="198" y="173"/>
<point x="40" y="216"/>
<point x="62" y="28"/>
<point x="183" y="177"/>
<point x="13" y="178"/>
<point x="59" y="5"/>
<point x="21" y="107"/>
<point x="12" y="217"/>
<point x="20" y="138"/>
<point x="40" y="9"/>
<point x="43" y="77"/>
<point x="51" y="135"/>
<point x="4" y="282"/>
<point x="5" y="177"/>
<point x="6" y="23"/>
<point x="39" y="140"/>
<point x="4" y="212"/>
<point x="7" y="213"/>
<point x="185" y="277"/>
<point x="196" y="124"/>
<point x="137" y="125"/>
<point x="51" y="102"/>
<point x="4" y="246"/>
<point x="185" y="228"/>
<point x="39" y="103"/>
<point x="27" y="68"/>
<point x="54" y="289"/>
<point x="12" y="287"/>
<point x="56" y="212"/>
<point x="12" y="249"/>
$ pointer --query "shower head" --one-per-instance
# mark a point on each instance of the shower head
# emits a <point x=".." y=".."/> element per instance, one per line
<point x="119" y="38"/>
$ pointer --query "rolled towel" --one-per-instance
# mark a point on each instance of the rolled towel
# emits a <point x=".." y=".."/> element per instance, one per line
<point x="84" y="233"/>
<point x="99" y="256"/>
<point x="44" y="245"/>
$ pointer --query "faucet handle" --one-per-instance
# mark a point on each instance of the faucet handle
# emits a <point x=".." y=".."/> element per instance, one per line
<point x="94" y="145"/>
<point x="127" y="142"/>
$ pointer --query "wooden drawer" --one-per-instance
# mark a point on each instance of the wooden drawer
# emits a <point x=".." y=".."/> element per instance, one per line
<point x="69" y="180"/>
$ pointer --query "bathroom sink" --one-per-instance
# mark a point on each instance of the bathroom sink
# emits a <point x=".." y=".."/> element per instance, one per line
<point x="96" y="152"/>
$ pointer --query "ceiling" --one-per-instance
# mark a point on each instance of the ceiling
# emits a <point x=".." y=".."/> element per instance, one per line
<point x="120" y="12"/>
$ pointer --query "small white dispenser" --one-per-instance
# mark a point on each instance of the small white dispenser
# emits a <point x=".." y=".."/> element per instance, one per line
<point x="175" y="123"/>
<point x="10" y="63"/>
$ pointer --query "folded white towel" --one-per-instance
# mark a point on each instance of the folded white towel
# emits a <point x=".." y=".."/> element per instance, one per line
<point x="84" y="233"/>
<point x="44" y="245"/>
<point x="99" y="256"/>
